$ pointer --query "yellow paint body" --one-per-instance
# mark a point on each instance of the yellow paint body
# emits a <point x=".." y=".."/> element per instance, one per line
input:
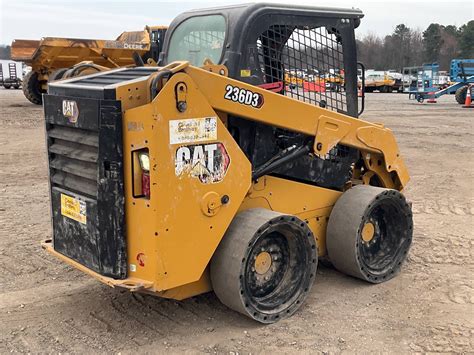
<point x="175" y="232"/>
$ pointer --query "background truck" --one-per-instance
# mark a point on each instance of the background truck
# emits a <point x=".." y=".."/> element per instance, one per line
<point x="50" y="57"/>
<point x="11" y="74"/>
<point x="383" y="81"/>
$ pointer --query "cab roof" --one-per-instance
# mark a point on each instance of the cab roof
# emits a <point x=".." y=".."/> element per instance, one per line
<point x="259" y="5"/>
<point x="252" y="10"/>
<point x="240" y="18"/>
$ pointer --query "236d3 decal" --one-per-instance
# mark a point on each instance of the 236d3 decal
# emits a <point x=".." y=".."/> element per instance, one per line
<point x="243" y="96"/>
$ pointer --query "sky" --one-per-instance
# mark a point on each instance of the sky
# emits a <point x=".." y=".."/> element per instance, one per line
<point x="106" y="19"/>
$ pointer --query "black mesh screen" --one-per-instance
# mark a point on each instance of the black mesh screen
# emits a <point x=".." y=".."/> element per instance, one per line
<point x="307" y="62"/>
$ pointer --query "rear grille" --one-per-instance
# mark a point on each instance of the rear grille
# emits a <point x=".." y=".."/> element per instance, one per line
<point x="85" y="164"/>
<point x="73" y="159"/>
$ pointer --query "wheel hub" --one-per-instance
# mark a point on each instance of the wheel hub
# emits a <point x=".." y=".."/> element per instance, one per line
<point x="263" y="263"/>
<point x="368" y="232"/>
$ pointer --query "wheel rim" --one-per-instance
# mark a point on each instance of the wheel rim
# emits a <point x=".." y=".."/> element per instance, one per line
<point x="387" y="247"/>
<point x="276" y="272"/>
<point x="263" y="279"/>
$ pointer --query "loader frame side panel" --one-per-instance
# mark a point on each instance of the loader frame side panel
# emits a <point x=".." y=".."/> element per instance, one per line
<point x="377" y="144"/>
<point x="173" y="234"/>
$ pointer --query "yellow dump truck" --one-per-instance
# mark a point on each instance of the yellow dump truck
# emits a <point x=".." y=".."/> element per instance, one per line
<point x="50" y="57"/>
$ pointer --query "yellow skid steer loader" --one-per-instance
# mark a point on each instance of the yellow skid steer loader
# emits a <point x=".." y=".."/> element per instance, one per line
<point x="207" y="172"/>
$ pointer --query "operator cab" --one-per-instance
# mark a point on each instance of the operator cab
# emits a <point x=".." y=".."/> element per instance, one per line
<point x="306" y="53"/>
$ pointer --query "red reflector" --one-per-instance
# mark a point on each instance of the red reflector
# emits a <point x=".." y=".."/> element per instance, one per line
<point x="146" y="184"/>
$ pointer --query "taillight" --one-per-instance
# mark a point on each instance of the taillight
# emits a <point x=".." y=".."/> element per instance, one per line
<point x="146" y="184"/>
<point x="141" y="173"/>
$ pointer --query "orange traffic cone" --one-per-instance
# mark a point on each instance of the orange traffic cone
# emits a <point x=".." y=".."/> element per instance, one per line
<point x="467" y="103"/>
<point x="432" y="99"/>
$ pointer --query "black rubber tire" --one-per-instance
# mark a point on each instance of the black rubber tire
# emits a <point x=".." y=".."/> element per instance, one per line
<point x="57" y="74"/>
<point x="460" y="95"/>
<point x="277" y="292"/>
<point x="7" y="86"/>
<point x="16" y="86"/>
<point x="379" y="259"/>
<point x="32" y="89"/>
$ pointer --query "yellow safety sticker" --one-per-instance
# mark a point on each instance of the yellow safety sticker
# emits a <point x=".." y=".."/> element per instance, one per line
<point x="245" y="73"/>
<point x="73" y="208"/>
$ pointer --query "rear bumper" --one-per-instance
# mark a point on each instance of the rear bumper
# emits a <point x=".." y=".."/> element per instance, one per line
<point x="132" y="284"/>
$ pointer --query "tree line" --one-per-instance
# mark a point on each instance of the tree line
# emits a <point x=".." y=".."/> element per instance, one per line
<point x="403" y="48"/>
<point x="411" y="47"/>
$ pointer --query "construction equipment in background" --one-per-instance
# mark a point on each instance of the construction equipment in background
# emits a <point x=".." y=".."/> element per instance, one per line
<point x="398" y="77"/>
<point x="410" y="77"/>
<point x="50" y="57"/>
<point x="11" y="74"/>
<point x="462" y="75"/>
<point x="444" y="80"/>
<point x="334" y="80"/>
<point x="208" y="173"/>
<point x="423" y="81"/>
<point x="427" y="85"/>
<point x="313" y="82"/>
<point x="383" y="81"/>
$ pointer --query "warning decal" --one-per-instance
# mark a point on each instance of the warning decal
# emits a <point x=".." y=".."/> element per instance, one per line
<point x="73" y="208"/>
<point x="206" y="162"/>
<point x="193" y="130"/>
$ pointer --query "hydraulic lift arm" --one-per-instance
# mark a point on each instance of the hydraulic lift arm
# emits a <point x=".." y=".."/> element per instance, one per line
<point x="376" y="143"/>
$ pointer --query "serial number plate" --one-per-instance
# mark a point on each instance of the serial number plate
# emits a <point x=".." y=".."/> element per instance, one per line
<point x="73" y="208"/>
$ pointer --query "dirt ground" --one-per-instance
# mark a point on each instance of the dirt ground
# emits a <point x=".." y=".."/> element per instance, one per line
<point x="46" y="306"/>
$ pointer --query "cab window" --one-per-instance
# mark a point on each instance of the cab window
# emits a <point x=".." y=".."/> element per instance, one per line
<point x="197" y="39"/>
